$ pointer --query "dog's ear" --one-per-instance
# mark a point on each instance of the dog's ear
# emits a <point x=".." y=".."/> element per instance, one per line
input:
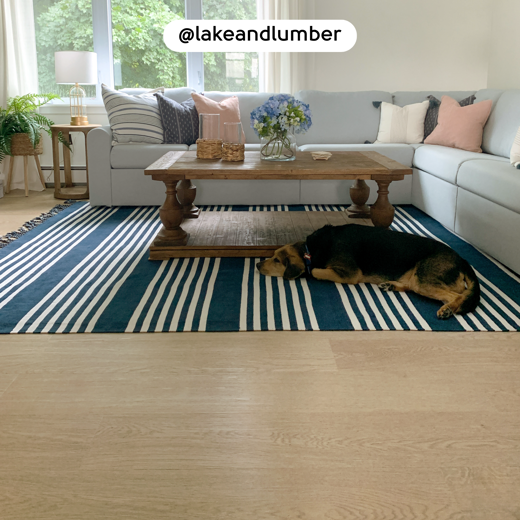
<point x="292" y="271"/>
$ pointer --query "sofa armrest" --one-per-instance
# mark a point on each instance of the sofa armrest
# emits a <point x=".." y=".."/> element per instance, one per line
<point x="99" y="143"/>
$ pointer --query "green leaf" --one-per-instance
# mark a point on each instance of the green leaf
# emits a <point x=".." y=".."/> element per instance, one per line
<point x="20" y="116"/>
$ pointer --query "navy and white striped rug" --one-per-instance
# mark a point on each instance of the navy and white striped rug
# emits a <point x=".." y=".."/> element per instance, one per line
<point x="87" y="270"/>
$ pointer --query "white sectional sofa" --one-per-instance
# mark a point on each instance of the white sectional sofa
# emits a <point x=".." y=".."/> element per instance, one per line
<point x="474" y="194"/>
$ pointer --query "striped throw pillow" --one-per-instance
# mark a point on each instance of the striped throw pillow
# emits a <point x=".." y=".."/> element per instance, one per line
<point x="133" y="119"/>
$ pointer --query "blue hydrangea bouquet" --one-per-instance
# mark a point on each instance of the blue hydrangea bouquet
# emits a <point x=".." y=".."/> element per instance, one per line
<point x="276" y="122"/>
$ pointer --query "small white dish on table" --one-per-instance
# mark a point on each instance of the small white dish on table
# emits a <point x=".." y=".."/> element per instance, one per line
<point x="321" y="156"/>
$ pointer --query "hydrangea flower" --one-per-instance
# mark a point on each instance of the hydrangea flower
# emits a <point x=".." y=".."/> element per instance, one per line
<point x="279" y="114"/>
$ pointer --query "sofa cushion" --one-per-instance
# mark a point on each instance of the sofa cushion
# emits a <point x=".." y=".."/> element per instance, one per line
<point x="247" y="101"/>
<point x="407" y="98"/>
<point x="402" y="153"/>
<point x="503" y="123"/>
<point x="342" y="117"/>
<point x="177" y="94"/>
<point x="494" y="180"/>
<point x="444" y="162"/>
<point x="138" y="156"/>
<point x="488" y="93"/>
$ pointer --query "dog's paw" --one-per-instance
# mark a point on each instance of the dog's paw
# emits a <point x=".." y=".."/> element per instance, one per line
<point x="444" y="313"/>
<point x="386" y="286"/>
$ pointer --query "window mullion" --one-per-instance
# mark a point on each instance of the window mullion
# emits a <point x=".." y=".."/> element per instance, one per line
<point x="102" y="27"/>
<point x="194" y="60"/>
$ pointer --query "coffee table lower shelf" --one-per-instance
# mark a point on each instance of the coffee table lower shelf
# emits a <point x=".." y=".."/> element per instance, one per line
<point x="242" y="234"/>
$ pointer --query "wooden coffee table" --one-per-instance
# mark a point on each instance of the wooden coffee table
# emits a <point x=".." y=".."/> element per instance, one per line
<point x="243" y="234"/>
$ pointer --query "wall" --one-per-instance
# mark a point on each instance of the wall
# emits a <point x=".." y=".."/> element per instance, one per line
<point x="407" y="45"/>
<point x="402" y="45"/>
<point x="504" y="69"/>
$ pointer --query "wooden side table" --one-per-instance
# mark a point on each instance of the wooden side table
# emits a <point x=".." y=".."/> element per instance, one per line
<point x="69" y="191"/>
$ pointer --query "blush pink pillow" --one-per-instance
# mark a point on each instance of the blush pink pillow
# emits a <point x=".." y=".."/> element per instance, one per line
<point x="460" y="127"/>
<point x="227" y="108"/>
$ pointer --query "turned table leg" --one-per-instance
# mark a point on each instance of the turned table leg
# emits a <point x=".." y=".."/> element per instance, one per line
<point x="186" y="192"/>
<point x="359" y="193"/>
<point x="382" y="212"/>
<point x="171" y="214"/>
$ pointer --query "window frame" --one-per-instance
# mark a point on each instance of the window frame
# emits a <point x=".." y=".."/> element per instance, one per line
<point x="102" y="36"/>
<point x="194" y="60"/>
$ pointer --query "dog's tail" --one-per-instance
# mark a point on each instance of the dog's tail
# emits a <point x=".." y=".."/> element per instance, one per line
<point x="471" y="296"/>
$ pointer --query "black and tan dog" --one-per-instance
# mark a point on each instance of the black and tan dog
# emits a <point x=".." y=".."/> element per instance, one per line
<point x="393" y="260"/>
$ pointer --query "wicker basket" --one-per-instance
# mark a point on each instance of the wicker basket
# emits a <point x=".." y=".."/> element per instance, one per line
<point x="209" y="148"/>
<point x="21" y="145"/>
<point x="233" y="152"/>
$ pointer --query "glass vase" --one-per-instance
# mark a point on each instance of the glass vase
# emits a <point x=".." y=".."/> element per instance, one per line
<point x="280" y="147"/>
<point x="209" y="126"/>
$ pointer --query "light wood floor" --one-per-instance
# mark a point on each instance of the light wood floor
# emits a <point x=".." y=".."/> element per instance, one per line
<point x="16" y="208"/>
<point x="356" y="425"/>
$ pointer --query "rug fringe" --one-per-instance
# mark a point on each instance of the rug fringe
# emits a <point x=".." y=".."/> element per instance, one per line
<point x="31" y="224"/>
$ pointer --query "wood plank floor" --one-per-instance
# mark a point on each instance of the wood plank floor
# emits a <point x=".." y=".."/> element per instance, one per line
<point x="249" y="233"/>
<point x="16" y="208"/>
<point x="259" y="228"/>
<point x="272" y="425"/>
<point x="402" y="425"/>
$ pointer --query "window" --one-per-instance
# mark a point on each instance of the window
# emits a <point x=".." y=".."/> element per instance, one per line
<point x="61" y="25"/>
<point x="226" y="71"/>
<point x="133" y="53"/>
<point x="141" y="59"/>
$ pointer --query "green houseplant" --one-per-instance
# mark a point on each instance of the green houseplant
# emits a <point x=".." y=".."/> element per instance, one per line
<point x="21" y="117"/>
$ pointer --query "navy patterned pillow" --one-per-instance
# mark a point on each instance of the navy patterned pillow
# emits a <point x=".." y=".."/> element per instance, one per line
<point x="180" y="120"/>
<point x="433" y="113"/>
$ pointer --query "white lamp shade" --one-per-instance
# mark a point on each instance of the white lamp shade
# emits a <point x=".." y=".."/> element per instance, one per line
<point x="76" y="67"/>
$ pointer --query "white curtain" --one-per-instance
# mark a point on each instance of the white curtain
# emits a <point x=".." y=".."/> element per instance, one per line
<point x="282" y="71"/>
<point x="18" y="72"/>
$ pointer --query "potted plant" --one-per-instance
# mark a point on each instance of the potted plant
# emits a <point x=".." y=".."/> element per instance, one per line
<point x="21" y="125"/>
<point x="276" y="122"/>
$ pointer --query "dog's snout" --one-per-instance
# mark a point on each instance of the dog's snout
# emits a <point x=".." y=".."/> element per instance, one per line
<point x="259" y="265"/>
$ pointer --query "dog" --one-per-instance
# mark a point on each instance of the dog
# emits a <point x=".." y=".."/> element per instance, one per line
<point x="393" y="260"/>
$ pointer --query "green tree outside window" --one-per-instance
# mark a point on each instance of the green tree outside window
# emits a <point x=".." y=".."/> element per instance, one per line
<point x="141" y="58"/>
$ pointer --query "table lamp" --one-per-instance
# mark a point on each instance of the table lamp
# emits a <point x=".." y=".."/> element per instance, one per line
<point x="73" y="68"/>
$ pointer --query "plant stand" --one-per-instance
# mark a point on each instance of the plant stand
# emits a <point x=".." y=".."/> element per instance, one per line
<point x="21" y="146"/>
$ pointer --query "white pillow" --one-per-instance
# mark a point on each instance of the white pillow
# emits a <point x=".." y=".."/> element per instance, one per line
<point x="402" y="124"/>
<point x="133" y="119"/>
<point x="515" y="151"/>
